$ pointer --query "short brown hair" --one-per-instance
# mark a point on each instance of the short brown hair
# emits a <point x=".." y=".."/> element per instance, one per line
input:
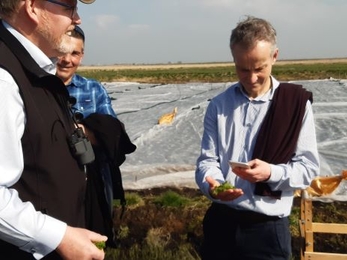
<point x="8" y="7"/>
<point x="251" y="30"/>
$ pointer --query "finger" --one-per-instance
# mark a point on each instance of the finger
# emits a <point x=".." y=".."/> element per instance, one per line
<point x="96" y="237"/>
<point x="212" y="182"/>
<point x="230" y="194"/>
<point x="99" y="255"/>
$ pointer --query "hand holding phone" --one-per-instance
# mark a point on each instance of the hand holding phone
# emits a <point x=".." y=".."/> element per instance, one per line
<point x="234" y="164"/>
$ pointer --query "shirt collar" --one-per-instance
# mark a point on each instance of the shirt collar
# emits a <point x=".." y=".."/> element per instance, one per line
<point x="75" y="82"/>
<point x="268" y="95"/>
<point x="41" y="59"/>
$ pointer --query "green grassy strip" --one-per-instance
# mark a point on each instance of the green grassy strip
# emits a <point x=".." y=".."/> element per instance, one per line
<point x="216" y="74"/>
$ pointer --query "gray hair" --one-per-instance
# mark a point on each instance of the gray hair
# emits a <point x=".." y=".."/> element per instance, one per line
<point x="251" y="30"/>
<point x="8" y="7"/>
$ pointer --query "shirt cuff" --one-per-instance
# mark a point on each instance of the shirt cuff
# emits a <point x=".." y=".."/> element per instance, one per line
<point x="47" y="239"/>
<point x="276" y="173"/>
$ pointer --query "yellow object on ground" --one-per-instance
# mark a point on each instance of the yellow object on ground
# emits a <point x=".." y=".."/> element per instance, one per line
<point x="325" y="185"/>
<point x="167" y="118"/>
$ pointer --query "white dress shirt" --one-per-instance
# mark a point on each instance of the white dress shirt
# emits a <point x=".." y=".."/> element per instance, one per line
<point x="20" y="223"/>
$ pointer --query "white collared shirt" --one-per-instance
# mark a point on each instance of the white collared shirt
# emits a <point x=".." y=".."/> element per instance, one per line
<point x="232" y="122"/>
<point x="20" y="223"/>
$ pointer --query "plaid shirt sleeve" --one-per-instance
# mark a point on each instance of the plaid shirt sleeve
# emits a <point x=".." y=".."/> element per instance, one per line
<point x="91" y="97"/>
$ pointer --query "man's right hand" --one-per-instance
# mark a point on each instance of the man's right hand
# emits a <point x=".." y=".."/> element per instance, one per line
<point x="78" y="244"/>
<point x="227" y="195"/>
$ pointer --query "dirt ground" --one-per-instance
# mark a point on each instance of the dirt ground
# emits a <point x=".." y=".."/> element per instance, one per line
<point x="201" y="65"/>
<point x="181" y="225"/>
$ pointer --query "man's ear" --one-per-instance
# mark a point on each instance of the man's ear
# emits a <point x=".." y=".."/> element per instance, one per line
<point x="32" y="9"/>
<point x="82" y="56"/>
<point x="275" y="56"/>
<point x="81" y="59"/>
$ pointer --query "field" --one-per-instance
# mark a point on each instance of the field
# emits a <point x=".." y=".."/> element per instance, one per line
<point x="202" y="65"/>
<point x="213" y="72"/>
<point x="165" y="223"/>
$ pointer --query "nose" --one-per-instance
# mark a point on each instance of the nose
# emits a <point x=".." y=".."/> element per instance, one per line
<point x="66" y="58"/>
<point x="252" y="77"/>
<point x="76" y="19"/>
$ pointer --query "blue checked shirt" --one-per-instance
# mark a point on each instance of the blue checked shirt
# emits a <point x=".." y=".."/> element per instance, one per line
<point x="91" y="96"/>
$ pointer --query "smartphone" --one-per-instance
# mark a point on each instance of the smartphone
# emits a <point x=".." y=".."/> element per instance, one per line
<point x="234" y="164"/>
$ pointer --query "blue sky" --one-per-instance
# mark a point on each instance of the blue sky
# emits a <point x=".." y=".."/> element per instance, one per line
<point x="190" y="31"/>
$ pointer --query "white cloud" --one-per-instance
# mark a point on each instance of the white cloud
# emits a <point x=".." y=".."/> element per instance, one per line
<point x="139" y="27"/>
<point x="105" y="22"/>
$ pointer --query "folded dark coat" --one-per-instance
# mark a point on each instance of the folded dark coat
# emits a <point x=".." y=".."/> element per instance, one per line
<point x="113" y="145"/>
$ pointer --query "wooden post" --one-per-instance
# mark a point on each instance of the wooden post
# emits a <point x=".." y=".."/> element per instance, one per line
<point x="306" y="226"/>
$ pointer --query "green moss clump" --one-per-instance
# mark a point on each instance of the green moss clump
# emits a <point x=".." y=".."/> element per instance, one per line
<point x="223" y="187"/>
<point x="100" y="244"/>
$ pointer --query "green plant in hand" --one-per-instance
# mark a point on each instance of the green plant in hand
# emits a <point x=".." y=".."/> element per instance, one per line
<point x="100" y="244"/>
<point x="223" y="187"/>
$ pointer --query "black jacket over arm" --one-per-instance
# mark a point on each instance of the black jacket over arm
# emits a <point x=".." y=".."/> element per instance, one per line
<point x="114" y="142"/>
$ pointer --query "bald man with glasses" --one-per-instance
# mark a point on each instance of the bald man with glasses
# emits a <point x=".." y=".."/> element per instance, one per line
<point x="42" y="179"/>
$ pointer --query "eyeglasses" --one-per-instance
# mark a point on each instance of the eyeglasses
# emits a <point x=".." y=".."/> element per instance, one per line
<point x="72" y="8"/>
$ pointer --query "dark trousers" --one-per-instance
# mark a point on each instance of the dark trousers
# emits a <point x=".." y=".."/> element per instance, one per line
<point x="244" y="235"/>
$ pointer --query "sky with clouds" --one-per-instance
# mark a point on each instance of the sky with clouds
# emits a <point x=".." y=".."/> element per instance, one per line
<point x="190" y="31"/>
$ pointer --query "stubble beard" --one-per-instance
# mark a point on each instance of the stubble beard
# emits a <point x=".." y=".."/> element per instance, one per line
<point x="58" y="44"/>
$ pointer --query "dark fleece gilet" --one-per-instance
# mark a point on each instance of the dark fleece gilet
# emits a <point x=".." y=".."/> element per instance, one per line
<point x="52" y="179"/>
<point x="279" y="133"/>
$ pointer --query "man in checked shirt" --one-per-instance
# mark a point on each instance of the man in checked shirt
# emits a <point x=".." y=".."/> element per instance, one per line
<point x="91" y="96"/>
<point x="88" y="97"/>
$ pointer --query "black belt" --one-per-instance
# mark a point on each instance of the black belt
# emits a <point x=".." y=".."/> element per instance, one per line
<point x="242" y="216"/>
